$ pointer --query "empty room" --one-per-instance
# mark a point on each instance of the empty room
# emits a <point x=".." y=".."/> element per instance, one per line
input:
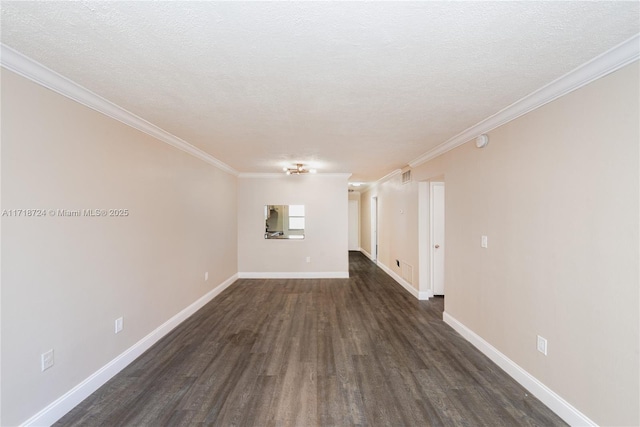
<point x="320" y="213"/>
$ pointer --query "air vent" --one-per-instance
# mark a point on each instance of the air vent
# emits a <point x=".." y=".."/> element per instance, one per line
<point x="407" y="272"/>
<point x="406" y="177"/>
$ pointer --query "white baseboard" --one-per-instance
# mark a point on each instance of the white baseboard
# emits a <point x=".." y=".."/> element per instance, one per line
<point x="413" y="291"/>
<point x="425" y="295"/>
<point x="295" y="275"/>
<point x="57" y="409"/>
<point x="421" y="295"/>
<point x="368" y="255"/>
<point x="547" y="396"/>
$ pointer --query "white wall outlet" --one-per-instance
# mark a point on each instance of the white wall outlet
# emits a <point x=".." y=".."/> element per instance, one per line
<point x="483" y="241"/>
<point x="308" y="259"/>
<point x="119" y="324"/>
<point x="206" y="276"/>
<point x="542" y="345"/>
<point x="46" y="360"/>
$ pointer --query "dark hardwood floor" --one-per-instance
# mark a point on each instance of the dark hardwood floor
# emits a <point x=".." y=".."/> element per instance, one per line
<point x="328" y="352"/>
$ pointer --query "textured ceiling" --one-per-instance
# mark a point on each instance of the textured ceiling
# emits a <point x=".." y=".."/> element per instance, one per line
<point x="362" y="87"/>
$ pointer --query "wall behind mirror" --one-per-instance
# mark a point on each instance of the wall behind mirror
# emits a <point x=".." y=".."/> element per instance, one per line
<point x="284" y="221"/>
<point x="322" y="253"/>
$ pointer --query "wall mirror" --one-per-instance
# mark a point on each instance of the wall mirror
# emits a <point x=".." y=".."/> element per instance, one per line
<point x="284" y="221"/>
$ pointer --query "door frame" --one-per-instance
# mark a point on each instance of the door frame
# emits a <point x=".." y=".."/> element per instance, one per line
<point x="432" y="242"/>
<point x="357" y="225"/>
<point x="424" y="262"/>
<point x="374" y="229"/>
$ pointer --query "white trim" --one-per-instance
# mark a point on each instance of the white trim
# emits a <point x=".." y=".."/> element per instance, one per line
<point x="349" y="202"/>
<point x="387" y="177"/>
<point x="422" y="296"/>
<point x="57" y="409"/>
<point x="374" y="228"/>
<point x="368" y="255"/>
<point x="263" y="175"/>
<point x="547" y="396"/>
<point x="606" y="63"/>
<point x="413" y="291"/>
<point x="284" y="175"/>
<point x="432" y="243"/>
<point x="295" y="275"/>
<point x="425" y="295"/>
<point x="28" y="68"/>
<point x="373" y="185"/>
<point x="424" y="217"/>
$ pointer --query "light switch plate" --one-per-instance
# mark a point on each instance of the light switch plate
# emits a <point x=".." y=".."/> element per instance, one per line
<point x="484" y="241"/>
<point x="46" y="360"/>
<point x="542" y="345"/>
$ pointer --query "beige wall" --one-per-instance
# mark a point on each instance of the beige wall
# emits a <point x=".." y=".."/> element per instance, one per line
<point x="326" y="208"/>
<point x="355" y="196"/>
<point x="365" y="222"/>
<point x="397" y="224"/>
<point x="66" y="279"/>
<point x="557" y="193"/>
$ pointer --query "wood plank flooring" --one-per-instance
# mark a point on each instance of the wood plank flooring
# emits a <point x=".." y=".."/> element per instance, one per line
<point x="313" y="352"/>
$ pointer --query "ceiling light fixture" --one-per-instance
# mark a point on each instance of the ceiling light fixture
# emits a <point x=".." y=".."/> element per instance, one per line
<point x="298" y="170"/>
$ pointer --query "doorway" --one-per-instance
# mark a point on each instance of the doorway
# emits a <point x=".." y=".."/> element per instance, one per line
<point x="354" y="225"/>
<point x="374" y="229"/>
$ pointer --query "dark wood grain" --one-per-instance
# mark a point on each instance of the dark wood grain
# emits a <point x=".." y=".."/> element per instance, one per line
<point x="329" y="352"/>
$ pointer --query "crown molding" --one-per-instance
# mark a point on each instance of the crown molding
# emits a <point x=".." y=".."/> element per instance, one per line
<point x="606" y="63"/>
<point x="283" y="175"/>
<point x="28" y="68"/>
<point x="372" y="186"/>
<point x="261" y="175"/>
<point x="385" y="178"/>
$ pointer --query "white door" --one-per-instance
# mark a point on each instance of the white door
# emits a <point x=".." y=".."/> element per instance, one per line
<point x="437" y="237"/>
<point x="354" y="225"/>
